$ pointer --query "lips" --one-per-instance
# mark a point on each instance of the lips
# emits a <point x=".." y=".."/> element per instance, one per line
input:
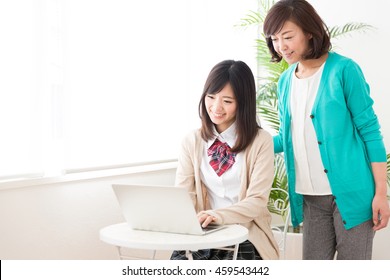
<point x="217" y="115"/>
<point x="287" y="55"/>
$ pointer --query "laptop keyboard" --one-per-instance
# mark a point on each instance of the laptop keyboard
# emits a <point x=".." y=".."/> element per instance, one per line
<point x="211" y="227"/>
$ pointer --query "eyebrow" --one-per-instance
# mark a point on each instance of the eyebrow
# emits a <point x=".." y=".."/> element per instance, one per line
<point x="284" y="33"/>
<point x="288" y="31"/>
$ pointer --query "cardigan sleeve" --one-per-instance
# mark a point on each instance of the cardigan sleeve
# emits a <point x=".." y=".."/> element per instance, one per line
<point x="360" y="105"/>
<point x="278" y="139"/>
<point x="185" y="174"/>
<point x="282" y="102"/>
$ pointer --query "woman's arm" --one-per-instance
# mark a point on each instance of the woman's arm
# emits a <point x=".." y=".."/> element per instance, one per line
<point x="380" y="203"/>
<point x="360" y="105"/>
<point x="185" y="172"/>
<point x="278" y="139"/>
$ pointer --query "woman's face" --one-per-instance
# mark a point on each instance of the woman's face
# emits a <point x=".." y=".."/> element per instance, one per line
<point x="221" y="108"/>
<point x="291" y="42"/>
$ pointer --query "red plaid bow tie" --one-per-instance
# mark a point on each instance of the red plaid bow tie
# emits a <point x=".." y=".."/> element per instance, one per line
<point x="221" y="157"/>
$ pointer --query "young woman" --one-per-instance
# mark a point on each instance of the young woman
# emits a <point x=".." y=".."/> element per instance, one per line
<point x="330" y="136"/>
<point x="228" y="164"/>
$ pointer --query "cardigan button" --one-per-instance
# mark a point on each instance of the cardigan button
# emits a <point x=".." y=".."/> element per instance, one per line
<point x="344" y="222"/>
<point x="312" y="116"/>
<point x="319" y="143"/>
<point x="326" y="170"/>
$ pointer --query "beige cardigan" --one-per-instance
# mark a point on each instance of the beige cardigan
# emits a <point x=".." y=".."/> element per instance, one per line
<point x="256" y="180"/>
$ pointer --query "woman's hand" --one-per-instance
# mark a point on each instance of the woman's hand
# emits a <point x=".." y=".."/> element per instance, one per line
<point x="381" y="212"/>
<point x="380" y="204"/>
<point x="205" y="219"/>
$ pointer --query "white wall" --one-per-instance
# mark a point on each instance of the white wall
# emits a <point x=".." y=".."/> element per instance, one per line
<point x="62" y="221"/>
<point x="369" y="49"/>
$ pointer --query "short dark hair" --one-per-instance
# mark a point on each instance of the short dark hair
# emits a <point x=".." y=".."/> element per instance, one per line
<point x="306" y="17"/>
<point x="241" y="79"/>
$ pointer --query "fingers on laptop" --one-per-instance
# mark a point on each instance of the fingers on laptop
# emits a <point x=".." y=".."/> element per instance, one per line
<point x="205" y="219"/>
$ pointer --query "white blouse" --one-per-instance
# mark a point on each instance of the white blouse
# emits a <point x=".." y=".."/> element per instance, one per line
<point x="222" y="190"/>
<point x="310" y="176"/>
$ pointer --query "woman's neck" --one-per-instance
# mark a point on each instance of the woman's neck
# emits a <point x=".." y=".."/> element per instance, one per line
<point x="307" y="68"/>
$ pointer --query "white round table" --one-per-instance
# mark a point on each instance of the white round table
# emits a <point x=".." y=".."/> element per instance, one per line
<point x="121" y="235"/>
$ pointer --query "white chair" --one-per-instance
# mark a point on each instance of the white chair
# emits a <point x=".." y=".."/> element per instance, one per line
<point x="281" y="207"/>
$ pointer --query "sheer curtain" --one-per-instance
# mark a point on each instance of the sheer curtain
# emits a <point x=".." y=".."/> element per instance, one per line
<point x="109" y="82"/>
<point x="20" y="124"/>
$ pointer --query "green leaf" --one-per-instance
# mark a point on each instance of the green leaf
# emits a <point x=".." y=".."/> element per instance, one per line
<point x="252" y="18"/>
<point x="349" y="28"/>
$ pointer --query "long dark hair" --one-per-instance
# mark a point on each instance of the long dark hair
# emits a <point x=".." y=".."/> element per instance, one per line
<point x="241" y="79"/>
<point x="306" y="17"/>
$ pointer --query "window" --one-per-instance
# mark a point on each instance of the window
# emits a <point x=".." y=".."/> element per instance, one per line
<point x="108" y="82"/>
<point x="20" y="147"/>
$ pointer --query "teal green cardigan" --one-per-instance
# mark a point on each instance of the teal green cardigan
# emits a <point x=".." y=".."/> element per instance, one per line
<point x="348" y="135"/>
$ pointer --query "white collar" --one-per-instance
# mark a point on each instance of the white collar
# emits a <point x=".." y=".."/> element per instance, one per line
<point x="229" y="136"/>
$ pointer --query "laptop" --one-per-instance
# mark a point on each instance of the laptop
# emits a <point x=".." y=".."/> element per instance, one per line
<point x="160" y="208"/>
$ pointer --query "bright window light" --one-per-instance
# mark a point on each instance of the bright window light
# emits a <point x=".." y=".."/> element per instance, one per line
<point x="110" y="82"/>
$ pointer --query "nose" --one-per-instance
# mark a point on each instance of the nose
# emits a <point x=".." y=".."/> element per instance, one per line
<point x="282" y="45"/>
<point x="217" y="104"/>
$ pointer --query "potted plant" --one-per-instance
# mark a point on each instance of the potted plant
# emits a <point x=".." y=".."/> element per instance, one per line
<point x="267" y="79"/>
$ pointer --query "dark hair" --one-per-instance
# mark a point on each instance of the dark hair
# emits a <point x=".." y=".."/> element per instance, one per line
<point x="306" y="17"/>
<point x="241" y="79"/>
